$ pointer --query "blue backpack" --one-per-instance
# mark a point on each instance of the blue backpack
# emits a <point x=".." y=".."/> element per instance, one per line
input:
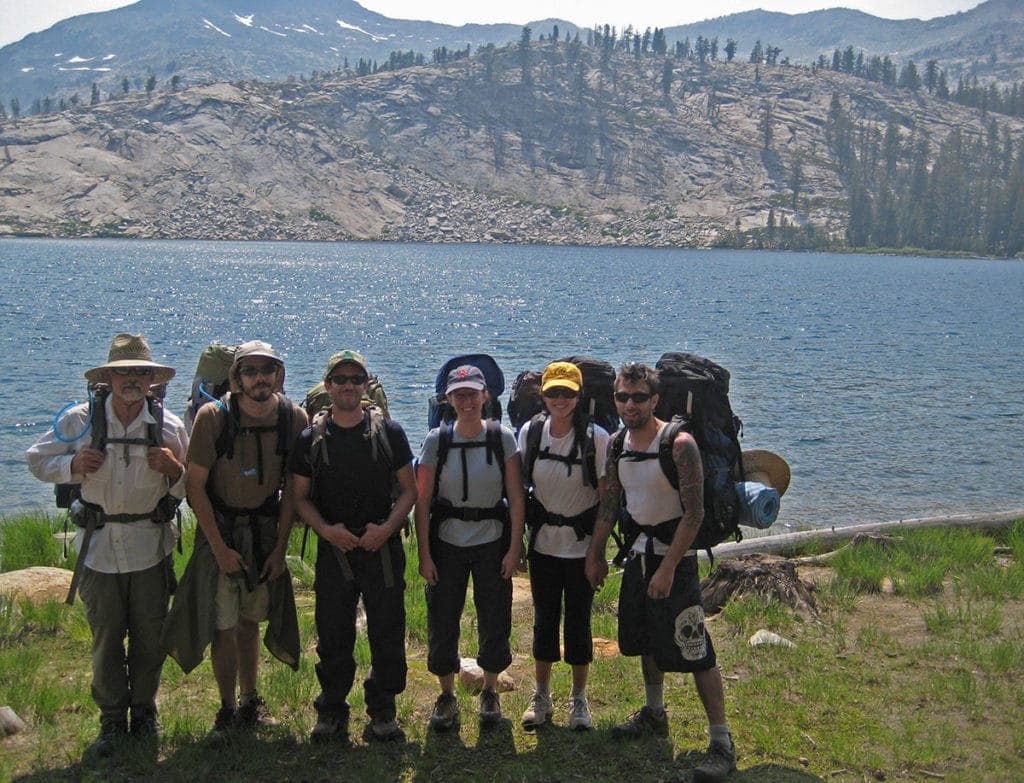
<point x="439" y="410"/>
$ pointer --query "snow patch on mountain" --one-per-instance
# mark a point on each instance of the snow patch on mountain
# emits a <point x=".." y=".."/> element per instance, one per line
<point x="214" y="27"/>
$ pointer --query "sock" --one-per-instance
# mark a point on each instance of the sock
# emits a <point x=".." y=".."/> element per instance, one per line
<point x="720" y="734"/>
<point x="655" y="696"/>
<point x="544" y="689"/>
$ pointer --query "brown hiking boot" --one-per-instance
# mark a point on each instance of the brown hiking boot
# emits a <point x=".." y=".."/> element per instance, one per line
<point x="644" y="722"/>
<point x="719" y="763"/>
<point x="254" y="713"/>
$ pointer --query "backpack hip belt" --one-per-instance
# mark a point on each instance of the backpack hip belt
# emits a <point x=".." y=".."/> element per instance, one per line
<point x="227" y="518"/>
<point x="385" y="557"/>
<point x="445" y="510"/>
<point x="582" y="524"/>
<point x="631" y="530"/>
<point x="92" y="517"/>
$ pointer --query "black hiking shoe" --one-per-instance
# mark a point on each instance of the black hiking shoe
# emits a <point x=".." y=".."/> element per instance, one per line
<point x="490" y="708"/>
<point x="644" y="722"/>
<point x="225" y="722"/>
<point x="112" y="736"/>
<point x="446" y="713"/>
<point x="383" y="731"/>
<point x="254" y="713"/>
<point x="718" y="764"/>
<point x="144" y="724"/>
<point x="330" y="728"/>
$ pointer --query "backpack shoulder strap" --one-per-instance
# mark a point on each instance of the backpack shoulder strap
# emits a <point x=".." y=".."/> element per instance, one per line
<point x="155" y="431"/>
<point x="229" y="415"/>
<point x="98" y="438"/>
<point x="588" y="452"/>
<point x="534" y="432"/>
<point x="495" y="445"/>
<point x="446" y="434"/>
<point x="285" y="424"/>
<point x="668" y="437"/>
<point x="377" y="432"/>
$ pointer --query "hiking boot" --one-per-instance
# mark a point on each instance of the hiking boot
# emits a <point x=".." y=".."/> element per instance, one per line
<point x="579" y="713"/>
<point x="446" y="713"/>
<point x="641" y="723"/>
<point x="144" y="723"/>
<point x="226" y="720"/>
<point x="383" y="731"/>
<point x="539" y="712"/>
<point x="112" y="736"/>
<point x="254" y="713"/>
<point x="490" y="707"/>
<point x="330" y="728"/>
<point x="718" y="764"/>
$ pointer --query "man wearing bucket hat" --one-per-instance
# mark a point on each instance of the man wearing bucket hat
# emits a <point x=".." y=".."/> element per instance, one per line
<point x="131" y="475"/>
<point x="355" y="487"/>
<point x="237" y="577"/>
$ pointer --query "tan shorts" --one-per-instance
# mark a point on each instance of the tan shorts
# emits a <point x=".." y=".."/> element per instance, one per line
<point x="234" y="601"/>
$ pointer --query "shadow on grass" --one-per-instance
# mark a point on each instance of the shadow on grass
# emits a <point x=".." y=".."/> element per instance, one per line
<point x="275" y="754"/>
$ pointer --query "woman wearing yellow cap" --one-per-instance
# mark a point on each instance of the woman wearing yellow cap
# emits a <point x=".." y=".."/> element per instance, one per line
<point x="563" y="470"/>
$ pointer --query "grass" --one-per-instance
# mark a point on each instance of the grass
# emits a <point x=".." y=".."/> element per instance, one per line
<point x="922" y="680"/>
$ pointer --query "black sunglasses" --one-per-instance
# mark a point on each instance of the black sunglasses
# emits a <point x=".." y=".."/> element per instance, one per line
<point x="341" y="379"/>
<point x="560" y="391"/>
<point x="637" y="397"/>
<point x="124" y="372"/>
<point x="251" y="372"/>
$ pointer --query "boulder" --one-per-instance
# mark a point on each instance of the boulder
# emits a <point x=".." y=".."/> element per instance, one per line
<point x="472" y="677"/>
<point x="37" y="584"/>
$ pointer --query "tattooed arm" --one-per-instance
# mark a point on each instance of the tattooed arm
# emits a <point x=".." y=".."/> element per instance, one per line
<point x="607" y="514"/>
<point x="686" y="456"/>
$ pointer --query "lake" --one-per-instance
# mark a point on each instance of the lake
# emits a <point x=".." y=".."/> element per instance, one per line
<point x="893" y="386"/>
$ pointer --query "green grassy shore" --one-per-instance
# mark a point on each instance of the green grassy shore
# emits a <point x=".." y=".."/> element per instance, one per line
<point x="912" y="670"/>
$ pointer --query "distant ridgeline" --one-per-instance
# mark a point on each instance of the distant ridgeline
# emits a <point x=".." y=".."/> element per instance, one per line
<point x="568" y="135"/>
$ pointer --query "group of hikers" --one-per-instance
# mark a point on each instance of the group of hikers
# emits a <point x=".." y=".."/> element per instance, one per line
<point x="255" y="462"/>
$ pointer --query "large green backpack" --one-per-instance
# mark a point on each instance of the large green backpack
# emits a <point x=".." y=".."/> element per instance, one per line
<point x="317" y="398"/>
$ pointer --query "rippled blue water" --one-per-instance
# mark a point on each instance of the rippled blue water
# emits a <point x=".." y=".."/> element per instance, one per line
<point x="892" y="385"/>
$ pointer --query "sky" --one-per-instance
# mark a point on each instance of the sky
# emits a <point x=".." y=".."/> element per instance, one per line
<point x="18" y="18"/>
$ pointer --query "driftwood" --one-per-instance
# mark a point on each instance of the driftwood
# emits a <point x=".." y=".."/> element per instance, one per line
<point x="762" y="575"/>
<point x="858" y="540"/>
<point x="787" y="542"/>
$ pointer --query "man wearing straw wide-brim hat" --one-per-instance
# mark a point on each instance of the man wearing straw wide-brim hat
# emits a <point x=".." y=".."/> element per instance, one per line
<point x="126" y="454"/>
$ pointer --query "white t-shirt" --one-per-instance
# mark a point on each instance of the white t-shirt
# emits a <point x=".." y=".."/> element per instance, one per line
<point x="562" y="491"/>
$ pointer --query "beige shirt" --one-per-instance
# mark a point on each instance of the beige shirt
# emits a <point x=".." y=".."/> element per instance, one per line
<point x="120" y="486"/>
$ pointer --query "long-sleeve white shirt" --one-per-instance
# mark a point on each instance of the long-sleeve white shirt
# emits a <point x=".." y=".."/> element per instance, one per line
<point x="120" y="486"/>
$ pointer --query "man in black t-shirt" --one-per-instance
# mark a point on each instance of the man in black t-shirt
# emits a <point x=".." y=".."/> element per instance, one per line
<point x="354" y="486"/>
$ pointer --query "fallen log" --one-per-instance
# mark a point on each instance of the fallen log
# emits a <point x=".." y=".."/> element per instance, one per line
<point x="788" y="542"/>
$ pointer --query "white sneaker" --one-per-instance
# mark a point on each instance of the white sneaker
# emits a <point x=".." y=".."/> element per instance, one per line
<point x="540" y="710"/>
<point x="579" y="713"/>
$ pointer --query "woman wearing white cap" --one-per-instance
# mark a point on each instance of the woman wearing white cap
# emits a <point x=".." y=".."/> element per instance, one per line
<point x="563" y="459"/>
<point x="466" y="471"/>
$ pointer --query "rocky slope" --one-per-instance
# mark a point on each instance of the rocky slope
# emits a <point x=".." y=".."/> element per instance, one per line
<point x="582" y="154"/>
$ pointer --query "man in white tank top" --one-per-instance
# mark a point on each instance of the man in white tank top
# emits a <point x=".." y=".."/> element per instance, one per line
<point x="661" y="617"/>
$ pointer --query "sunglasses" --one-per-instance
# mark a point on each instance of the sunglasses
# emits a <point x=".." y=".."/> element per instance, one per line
<point x="560" y="391"/>
<point x="638" y="397"/>
<point x="341" y="379"/>
<point x="251" y="372"/>
<point x="124" y="372"/>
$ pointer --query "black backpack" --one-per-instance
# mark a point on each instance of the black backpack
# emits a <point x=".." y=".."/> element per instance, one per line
<point x="597" y="397"/>
<point x="524" y="401"/>
<point x="694" y="398"/>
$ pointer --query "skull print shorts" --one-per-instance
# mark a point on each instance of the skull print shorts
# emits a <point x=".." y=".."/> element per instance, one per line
<point x="670" y="629"/>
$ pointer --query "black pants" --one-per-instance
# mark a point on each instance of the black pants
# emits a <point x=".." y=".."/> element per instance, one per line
<point x="551" y="578"/>
<point x="492" y="596"/>
<point x="336" y="600"/>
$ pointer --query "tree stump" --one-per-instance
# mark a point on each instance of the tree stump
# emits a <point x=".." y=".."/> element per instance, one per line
<point x="768" y="576"/>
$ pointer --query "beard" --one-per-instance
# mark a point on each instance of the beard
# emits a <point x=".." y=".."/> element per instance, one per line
<point x="258" y="392"/>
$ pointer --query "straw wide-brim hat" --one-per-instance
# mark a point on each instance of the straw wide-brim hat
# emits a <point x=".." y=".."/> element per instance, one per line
<point x="767" y="467"/>
<point x="130" y="350"/>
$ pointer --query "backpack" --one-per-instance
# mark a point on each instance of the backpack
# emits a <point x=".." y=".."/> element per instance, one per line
<point x="317" y="398"/>
<point x="597" y="397"/>
<point x="440" y="410"/>
<point x="694" y="398"/>
<point x="66" y="494"/>
<point x="211" y="381"/>
<point x="524" y="401"/>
